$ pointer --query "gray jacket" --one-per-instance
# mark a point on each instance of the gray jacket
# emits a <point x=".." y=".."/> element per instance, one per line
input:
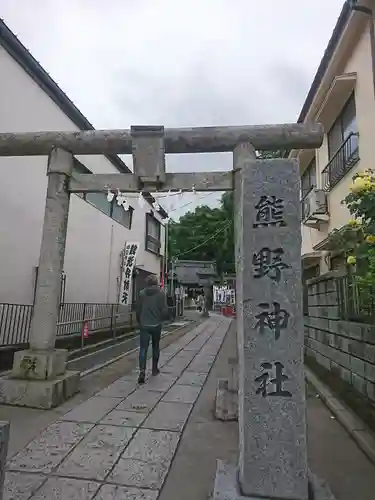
<point x="151" y="308"/>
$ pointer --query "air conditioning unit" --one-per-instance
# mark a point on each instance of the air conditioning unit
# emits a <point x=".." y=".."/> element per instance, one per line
<point x="315" y="209"/>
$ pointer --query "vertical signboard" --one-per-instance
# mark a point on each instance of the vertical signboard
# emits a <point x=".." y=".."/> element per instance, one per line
<point x="128" y="263"/>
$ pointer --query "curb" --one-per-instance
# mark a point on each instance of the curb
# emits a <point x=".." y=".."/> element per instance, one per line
<point x="357" y="430"/>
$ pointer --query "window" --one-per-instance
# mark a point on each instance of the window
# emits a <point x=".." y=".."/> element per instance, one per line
<point x="121" y="216"/>
<point x="344" y="126"/>
<point x="342" y="146"/>
<point x="308" y="182"/>
<point x="99" y="200"/>
<point x="153" y="232"/>
<point x="116" y="212"/>
<point x="308" y="179"/>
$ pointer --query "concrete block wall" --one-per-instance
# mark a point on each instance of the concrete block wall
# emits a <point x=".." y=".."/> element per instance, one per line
<point x="344" y="348"/>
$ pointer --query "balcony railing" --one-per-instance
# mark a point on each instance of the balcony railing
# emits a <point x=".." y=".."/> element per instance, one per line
<point x="342" y="161"/>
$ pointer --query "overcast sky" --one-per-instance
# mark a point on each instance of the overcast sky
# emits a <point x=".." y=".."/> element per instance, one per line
<point x="179" y="62"/>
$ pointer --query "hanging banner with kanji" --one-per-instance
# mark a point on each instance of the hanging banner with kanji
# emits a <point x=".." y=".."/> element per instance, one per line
<point x="128" y="263"/>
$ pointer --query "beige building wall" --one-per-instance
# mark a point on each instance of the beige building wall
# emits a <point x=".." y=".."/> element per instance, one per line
<point x="358" y="61"/>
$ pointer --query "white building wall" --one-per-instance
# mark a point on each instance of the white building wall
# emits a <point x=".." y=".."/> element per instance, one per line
<point x="94" y="240"/>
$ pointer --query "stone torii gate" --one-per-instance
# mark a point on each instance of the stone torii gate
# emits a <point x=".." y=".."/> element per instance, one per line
<point x="272" y="460"/>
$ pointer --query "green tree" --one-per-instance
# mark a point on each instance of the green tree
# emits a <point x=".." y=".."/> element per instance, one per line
<point x="208" y="233"/>
<point x="204" y="234"/>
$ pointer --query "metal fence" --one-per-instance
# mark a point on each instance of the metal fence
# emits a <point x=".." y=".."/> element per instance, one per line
<point x="356" y="300"/>
<point x="15" y="320"/>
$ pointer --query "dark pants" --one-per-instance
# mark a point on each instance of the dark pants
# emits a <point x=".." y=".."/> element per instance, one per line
<point x="144" y="339"/>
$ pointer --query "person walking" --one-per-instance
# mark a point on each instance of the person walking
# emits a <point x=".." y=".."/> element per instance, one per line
<point x="151" y="311"/>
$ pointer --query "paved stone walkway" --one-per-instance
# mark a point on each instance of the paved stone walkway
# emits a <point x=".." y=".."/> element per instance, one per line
<point x="120" y="443"/>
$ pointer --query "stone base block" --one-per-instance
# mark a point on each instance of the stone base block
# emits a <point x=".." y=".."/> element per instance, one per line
<point x="226" y="486"/>
<point x="226" y="403"/>
<point x="43" y="394"/>
<point x="39" y="365"/>
<point x="4" y="441"/>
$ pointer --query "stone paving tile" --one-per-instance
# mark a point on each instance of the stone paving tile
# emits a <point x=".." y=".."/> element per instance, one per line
<point x="129" y="377"/>
<point x="19" y="486"/>
<point x="98" y="452"/>
<point x="146" y="460"/>
<point x="213" y="348"/>
<point x="152" y="446"/>
<point x="192" y="378"/>
<point x="161" y="383"/>
<point x="181" y="361"/>
<point x="185" y="343"/>
<point x="169" y="351"/>
<point x="111" y="492"/>
<point x="182" y="394"/>
<point x="50" y="448"/>
<point x="58" y="488"/>
<point x="124" y="418"/>
<point x="209" y="350"/>
<point x="173" y="369"/>
<point x="92" y="410"/>
<point x="192" y="348"/>
<point x="141" y="401"/>
<point x="205" y="358"/>
<point x="186" y="355"/>
<point x="196" y="345"/>
<point x="176" y="366"/>
<point x="168" y="416"/>
<point x="164" y="359"/>
<point x="139" y="474"/>
<point x="119" y="389"/>
<point x="201" y="364"/>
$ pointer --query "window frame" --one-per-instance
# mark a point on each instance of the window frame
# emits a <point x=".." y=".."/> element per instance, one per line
<point x="82" y="169"/>
<point x="130" y="211"/>
<point x="307" y="173"/>
<point x="345" y="154"/>
<point x="340" y="121"/>
<point x="150" y="239"/>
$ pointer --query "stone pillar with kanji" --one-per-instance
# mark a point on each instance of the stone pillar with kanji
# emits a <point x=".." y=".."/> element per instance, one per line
<point x="272" y="427"/>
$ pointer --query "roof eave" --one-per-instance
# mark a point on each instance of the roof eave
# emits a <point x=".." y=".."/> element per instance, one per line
<point x="27" y="61"/>
<point x="326" y="59"/>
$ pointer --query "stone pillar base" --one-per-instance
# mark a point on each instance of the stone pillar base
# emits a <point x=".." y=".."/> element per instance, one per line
<point x="226" y="486"/>
<point x="226" y="403"/>
<point x="39" y="365"/>
<point x="42" y="394"/>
